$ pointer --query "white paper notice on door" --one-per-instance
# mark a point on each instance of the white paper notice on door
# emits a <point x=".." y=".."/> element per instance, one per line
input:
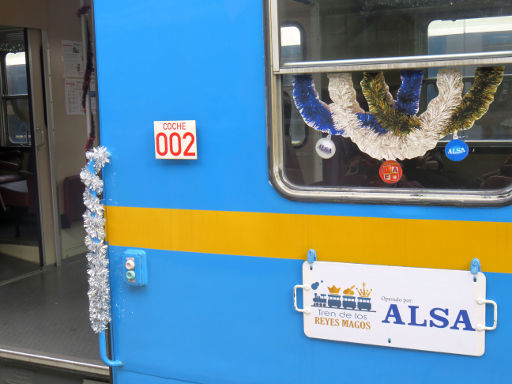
<point x="415" y="308"/>
<point x="72" y="58"/>
<point x="73" y="96"/>
<point x="73" y="90"/>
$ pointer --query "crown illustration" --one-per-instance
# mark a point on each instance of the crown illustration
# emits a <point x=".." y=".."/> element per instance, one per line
<point x="364" y="292"/>
<point x="349" y="291"/>
<point x="333" y="290"/>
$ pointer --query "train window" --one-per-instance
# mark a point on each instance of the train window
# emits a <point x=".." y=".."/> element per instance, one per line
<point x="15" y="99"/>
<point x="372" y="29"/>
<point x="293" y="49"/>
<point x="16" y="73"/>
<point x="481" y="34"/>
<point x="402" y="101"/>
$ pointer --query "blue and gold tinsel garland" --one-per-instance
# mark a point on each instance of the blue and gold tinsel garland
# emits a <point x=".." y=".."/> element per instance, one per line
<point x="392" y="129"/>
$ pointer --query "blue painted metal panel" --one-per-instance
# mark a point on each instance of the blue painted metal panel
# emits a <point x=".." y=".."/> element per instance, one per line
<point x="200" y="318"/>
<point x="126" y="377"/>
<point x="230" y="319"/>
<point x="202" y="60"/>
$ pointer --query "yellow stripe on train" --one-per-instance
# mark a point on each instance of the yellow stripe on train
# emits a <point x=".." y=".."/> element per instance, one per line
<point x="404" y="242"/>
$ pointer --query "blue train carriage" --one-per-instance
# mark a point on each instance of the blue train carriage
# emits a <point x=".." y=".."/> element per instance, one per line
<point x="335" y="125"/>
<point x="364" y="301"/>
<point x="334" y="301"/>
<point x="349" y="300"/>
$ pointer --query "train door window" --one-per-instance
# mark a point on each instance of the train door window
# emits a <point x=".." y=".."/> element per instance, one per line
<point x="413" y="83"/>
<point x="15" y="99"/>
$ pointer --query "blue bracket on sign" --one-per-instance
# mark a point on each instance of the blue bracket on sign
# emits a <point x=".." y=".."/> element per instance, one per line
<point x="311" y="257"/>
<point x="475" y="267"/>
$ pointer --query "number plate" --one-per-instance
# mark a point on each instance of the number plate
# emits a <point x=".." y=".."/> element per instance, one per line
<point x="175" y="140"/>
<point x="415" y="308"/>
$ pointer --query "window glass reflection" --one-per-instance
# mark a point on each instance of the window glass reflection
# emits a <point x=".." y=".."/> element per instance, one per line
<point x="18" y="121"/>
<point x="488" y="165"/>
<point x="337" y="30"/>
<point x="16" y="73"/>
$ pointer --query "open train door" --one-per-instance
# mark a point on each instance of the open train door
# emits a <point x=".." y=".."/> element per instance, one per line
<point x="243" y="134"/>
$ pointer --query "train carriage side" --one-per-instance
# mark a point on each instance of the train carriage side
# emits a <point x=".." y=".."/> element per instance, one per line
<point x="225" y="235"/>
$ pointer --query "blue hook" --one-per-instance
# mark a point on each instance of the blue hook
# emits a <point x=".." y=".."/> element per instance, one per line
<point x="311" y="257"/>
<point x="475" y="266"/>
<point x="103" y="352"/>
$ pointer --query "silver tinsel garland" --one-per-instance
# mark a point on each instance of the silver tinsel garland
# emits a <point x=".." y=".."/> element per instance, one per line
<point x="94" y="224"/>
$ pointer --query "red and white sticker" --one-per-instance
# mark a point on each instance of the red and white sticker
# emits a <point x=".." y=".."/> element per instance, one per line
<point x="390" y="172"/>
<point x="175" y="140"/>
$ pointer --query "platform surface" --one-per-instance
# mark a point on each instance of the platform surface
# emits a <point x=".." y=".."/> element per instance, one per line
<point x="12" y="267"/>
<point x="44" y="319"/>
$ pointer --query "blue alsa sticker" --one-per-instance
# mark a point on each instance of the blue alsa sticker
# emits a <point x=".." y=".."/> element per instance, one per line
<point x="456" y="150"/>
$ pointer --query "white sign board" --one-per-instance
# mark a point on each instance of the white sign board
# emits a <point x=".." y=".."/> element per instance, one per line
<point x="415" y="308"/>
<point x="72" y="58"/>
<point x="175" y="139"/>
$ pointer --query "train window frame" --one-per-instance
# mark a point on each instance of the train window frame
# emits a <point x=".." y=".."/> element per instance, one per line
<point x="371" y="195"/>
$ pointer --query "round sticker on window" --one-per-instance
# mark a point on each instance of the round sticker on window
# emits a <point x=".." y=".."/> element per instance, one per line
<point x="390" y="172"/>
<point x="325" y="147"/>
<point x="456" y="150"/>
